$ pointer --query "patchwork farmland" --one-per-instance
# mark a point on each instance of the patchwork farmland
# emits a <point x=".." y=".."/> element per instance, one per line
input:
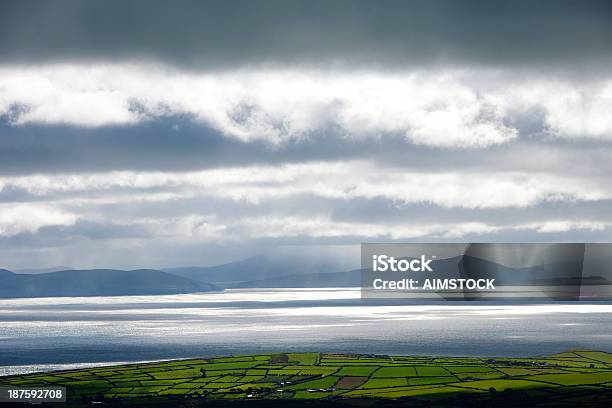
<point x="565" y="379"/>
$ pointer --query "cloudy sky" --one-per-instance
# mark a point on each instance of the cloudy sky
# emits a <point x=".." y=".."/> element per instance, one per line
<point x="155" y="134"/>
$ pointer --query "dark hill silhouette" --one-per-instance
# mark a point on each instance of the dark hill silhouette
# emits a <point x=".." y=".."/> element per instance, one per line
<point x="99" y="282"/>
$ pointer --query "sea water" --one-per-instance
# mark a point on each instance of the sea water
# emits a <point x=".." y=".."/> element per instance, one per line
<point x="44" y="334"/>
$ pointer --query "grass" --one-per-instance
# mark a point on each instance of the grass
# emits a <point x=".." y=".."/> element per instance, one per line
<point x="393" y="372"/>
<point x="357" y="371"/>
<point x="570" y="376"/>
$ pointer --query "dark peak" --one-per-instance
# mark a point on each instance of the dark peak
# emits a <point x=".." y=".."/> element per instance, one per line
<point x="5" y="272"/>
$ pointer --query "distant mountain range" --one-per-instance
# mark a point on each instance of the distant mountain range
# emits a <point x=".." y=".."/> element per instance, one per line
<point x="97" y="282"/>
<point x="43" y="270"/>
<point x="273" y="272"/>
<point x="254" y="269"/>
<point x="251" y="272"/>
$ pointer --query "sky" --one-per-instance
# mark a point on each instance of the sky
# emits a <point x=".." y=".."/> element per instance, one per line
<point x="157" y="134"/>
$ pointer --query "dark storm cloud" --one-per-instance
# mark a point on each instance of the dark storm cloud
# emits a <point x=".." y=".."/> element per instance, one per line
<point x="64" y="235"/>
<point x="179" y="144"/>
<point x="313" y="140"/>
<point x="169" y="144"/>
<point x="219" y="33"/>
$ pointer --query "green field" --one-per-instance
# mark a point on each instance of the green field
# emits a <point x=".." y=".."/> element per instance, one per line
<point x="565" y="379"/>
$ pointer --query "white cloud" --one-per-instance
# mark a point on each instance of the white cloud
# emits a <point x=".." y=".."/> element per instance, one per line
<point x="134" y="198"/>
<point x="572" y="111"/>
<point x="29" y="217"/>
<point x="567" y="225"/>
<point x="438" y="108"/>
<point x="335" y="180"/>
